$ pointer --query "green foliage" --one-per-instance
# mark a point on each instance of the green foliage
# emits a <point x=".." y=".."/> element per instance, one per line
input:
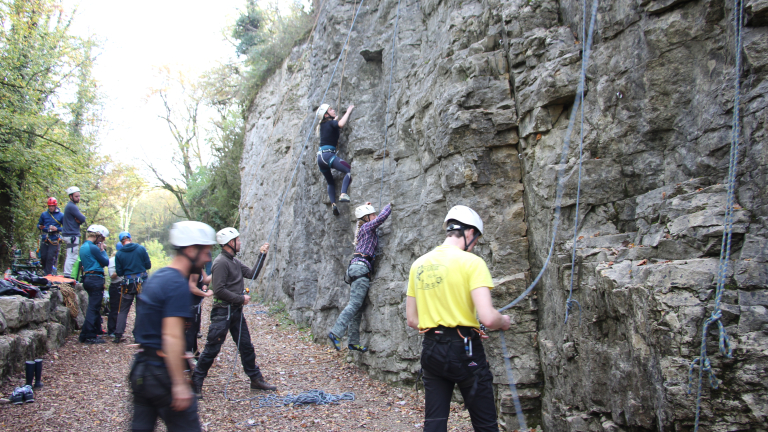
<point x="46" y="132"/>
<point x="247" y="28"/>
<point x="157" y="255"/>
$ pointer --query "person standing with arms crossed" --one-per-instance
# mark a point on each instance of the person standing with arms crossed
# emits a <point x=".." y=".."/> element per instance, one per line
<point x="50" y="226"/>
<point x="73" y="218"/>
<point x="157" y="379"/>
<point x="448" y="288"/>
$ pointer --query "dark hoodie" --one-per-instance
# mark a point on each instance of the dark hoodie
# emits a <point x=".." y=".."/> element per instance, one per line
<point x="132" y="259"/>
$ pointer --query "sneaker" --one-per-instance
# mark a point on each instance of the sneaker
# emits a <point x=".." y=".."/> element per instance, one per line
<point x="259" y="384"/>
<point x="336" y="341"/>
<point x="335" y="209"/>
<point x="111" y="335"/>
<point x="356" y="347"/>
<point x="17" y="397"/>
<point x="197" y="389"/>
<point x="118" y="338"/>
<point x="344" y="198"/>
<point x="28" y="394"/>
<point x="94" y="341"/>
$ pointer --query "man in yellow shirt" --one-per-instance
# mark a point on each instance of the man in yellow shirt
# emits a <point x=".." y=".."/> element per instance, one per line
<point x="448" y="288"/>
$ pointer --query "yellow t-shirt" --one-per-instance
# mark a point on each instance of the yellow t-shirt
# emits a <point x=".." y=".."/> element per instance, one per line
<point x="441" y="281"/>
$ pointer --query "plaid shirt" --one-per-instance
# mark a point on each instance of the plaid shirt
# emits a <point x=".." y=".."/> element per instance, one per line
<point x="367" y="240"/>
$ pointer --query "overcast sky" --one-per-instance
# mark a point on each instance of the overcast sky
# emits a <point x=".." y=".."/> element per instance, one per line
<point x="135" y="38"/>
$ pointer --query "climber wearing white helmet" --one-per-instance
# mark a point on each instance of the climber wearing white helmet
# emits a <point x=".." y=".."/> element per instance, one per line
<point x="227" y="275"/>
<point x="359" y="276"/>
<point x="157" y="374"/>
<point x="70" y="231"/>
<point x="93" y="259"/>
<point x="448" y="288"/>
<point x="329" y="130"/>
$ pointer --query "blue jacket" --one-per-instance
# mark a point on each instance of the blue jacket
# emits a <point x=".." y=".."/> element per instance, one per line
<point x="72" y="220"/>
<point x="132" y="259"/>
<point x="47" y="219"/>
<point x="93" y="259"/>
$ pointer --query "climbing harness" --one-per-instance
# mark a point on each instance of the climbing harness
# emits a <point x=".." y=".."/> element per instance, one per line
<point x="703" y="362"/>
<point x="287" y="189"/>
<point x="329" y="164"/>
<point x="389" y="96"/>
<point x="558" y="199"/>
<point x="349" y="279"/>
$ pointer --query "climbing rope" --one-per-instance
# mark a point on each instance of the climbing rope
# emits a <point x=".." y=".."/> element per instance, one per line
<point x="702" y="362"/>
<point x="389" y="96"/>
<point x="316" y="397"/>
<point x="558" y="199"/>
<point x="285" y="194"/>
<point x="570" y="301"/>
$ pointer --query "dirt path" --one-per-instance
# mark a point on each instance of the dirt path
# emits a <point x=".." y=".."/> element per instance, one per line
<point x="86" y="388"/>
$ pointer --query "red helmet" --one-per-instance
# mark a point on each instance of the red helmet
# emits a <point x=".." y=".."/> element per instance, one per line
<point x="52" y="201"/>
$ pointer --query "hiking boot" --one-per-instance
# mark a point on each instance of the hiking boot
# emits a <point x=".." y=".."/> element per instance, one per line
<point x="335" y="209"/>
<point x="356" y="347"/>
<point x="17" y="397"/>
<point x="94" y="341"/>
<point x="28" y="394"/>
<point x="258" y="383"/>
<point x="197" y="389"/>
<point x="118" y="338"/>
<point x="335" y="340"/>
<point x="344" y="198"/>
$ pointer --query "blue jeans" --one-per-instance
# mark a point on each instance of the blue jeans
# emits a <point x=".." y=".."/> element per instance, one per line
<point x="94" y="286"/>
<point x="350" y="317"/>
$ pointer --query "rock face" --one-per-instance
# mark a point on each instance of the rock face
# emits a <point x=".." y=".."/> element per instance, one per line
<point x="482" y="93"/>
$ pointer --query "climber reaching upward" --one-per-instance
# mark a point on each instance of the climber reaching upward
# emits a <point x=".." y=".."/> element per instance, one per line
<point x="329" y="130"/>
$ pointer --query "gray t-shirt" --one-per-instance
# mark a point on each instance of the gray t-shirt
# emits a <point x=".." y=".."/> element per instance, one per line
<point x="112" y="271"/>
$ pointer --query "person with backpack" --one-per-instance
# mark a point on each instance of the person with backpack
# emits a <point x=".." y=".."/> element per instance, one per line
<point x="50" y="225"/>
<point x="131" y="263"/>
<point x="448" y="290"/>
<point x="329" y="130"/>
<point x="93" y="259"/>
<point x="73" y="218"/>
<point x="159" y="386"/>
<point x="359" y="274"/>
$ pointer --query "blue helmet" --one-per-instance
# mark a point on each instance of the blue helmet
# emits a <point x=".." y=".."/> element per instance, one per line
<point x="123" y="235"/>
<point x="118" y="246"/>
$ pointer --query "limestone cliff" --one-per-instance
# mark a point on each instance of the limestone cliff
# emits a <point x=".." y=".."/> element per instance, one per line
<point x="481" y="97"/>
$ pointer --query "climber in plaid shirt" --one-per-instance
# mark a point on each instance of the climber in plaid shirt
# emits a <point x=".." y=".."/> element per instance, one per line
<point x="359" y="275"/>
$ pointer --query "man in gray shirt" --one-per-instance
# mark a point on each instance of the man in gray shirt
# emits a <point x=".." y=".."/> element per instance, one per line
<point x="70" y="232"/>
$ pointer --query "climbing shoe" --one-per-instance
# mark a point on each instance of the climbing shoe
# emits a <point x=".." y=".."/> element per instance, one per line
<point x="356" y="347"/>
<point x="335" y="340"/>
<point x="17" y="397"/>
<point x="258" y="383"/>
<point x="344" y="198"/>
<point x="28" y="394"/>
<point x="335" y="209"/>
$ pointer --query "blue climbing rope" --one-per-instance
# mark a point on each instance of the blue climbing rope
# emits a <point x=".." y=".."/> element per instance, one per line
<point x="287" y="189"/>
<point x="703" y="362"/>
<point x="570" y="301"/>
<point x="558" y="199"/>
<point x="389" y="95"/>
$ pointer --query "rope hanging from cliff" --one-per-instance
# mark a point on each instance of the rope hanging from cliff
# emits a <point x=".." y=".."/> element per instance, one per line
<point x="702" y="362"/>
<point x="389" y="95"/>
<point x="558" y="199"/>
<point x="288" y="188"/>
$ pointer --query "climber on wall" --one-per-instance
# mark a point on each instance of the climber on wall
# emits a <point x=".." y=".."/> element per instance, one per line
<point x="359" y="275"/>
<point x="448" y="288"/>
<point x="328" y="130"/>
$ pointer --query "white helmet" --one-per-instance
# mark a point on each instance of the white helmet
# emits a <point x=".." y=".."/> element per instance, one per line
<point x="72" y="190"/>
<point x="188" y="233"/>
<point x="98" y="229"/>
<point x="465" y="216"/>
<point x="322" y="110"/>
<point x="364" y="210"/>
<point x="224" y="236"/>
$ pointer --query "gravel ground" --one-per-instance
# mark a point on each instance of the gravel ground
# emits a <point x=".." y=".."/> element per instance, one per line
<point x="86" y="388"/>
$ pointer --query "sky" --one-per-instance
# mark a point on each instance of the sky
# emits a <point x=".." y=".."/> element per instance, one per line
<point x="135" y="38"/>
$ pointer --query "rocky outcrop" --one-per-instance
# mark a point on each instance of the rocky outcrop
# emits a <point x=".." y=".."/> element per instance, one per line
<point x="481" y="98"/>
<point x="31" y="327"/>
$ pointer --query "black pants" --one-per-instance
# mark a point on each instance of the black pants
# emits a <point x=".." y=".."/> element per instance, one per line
<point x="191" y="328"/>
<point x="151" y="386"/>
<point x="225" y="320"/>
<point x="94" y="286"/>
<point x="114" y="304"/>
<point x="446" y="363"/>
<point x="49" y="254"/>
